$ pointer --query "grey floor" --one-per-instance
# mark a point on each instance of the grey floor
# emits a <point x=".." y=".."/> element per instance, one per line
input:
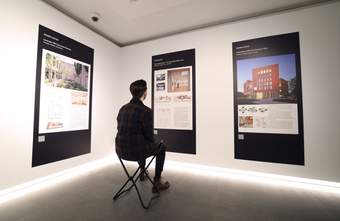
<point x="191" y="197"/>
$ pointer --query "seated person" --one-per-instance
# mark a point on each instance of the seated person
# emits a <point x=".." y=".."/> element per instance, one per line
<point x="134" y="140"/>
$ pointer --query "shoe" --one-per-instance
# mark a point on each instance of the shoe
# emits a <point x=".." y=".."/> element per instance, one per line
<point x="143" y="176"/>
<point x="160" y="185"/>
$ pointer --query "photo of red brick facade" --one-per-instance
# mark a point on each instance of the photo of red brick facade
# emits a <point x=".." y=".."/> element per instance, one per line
<point x="266" y="83"/>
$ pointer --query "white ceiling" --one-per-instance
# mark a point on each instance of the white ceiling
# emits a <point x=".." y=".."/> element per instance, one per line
<point x="125" y="22"/>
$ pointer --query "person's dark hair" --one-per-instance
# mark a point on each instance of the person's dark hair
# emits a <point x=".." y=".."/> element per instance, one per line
<point x="137" y="88"/>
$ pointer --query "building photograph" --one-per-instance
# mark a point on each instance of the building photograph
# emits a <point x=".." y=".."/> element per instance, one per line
<point x="264" y="80"/>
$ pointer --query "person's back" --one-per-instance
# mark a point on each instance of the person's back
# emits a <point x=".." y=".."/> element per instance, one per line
<point x="134" y="130"/>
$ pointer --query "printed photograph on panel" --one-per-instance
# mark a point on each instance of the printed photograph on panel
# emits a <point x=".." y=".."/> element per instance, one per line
<point x="179" y="80"/>
<point x="79" y="98"/>
<point x="267" y="80"/>
<point x="160" y="86"/>
<point x="160" y="77"/>
<point x="64" y="73"/>
<point x="246" y="122"/>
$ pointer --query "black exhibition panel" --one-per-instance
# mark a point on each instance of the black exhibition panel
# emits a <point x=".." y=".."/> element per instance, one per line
<point x="287" y="148"/>
<point x="54" y="146"/>
<point x="180" y="141"/>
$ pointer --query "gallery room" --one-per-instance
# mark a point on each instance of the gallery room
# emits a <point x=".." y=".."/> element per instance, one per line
<point x="169" y="110"/>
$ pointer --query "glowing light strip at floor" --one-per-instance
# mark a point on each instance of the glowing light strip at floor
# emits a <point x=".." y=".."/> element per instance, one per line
<point x="266" y="178"/>
<point x="270" y="179"/>
<point x="250" y="176"/>
<point x="23" y="189"/>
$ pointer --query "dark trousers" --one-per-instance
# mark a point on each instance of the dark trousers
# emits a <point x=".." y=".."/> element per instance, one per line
<point x="158" y="150"/>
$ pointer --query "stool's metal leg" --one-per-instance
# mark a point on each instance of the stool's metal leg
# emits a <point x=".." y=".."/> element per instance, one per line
<point x="120" y="192"/>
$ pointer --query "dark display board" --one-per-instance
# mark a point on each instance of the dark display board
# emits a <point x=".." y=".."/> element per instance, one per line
<point x="62" y="117"/>
<point x="173" y="100"/>
<point x="268" y="115"/>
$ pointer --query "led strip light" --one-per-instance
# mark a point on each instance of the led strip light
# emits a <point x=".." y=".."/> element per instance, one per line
<point x="257" y="177"/>
<point x="54" y="179"/>
<point x="240" y="175"/>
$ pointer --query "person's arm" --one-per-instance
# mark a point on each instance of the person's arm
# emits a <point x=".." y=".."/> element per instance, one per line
<point x="148" y="126"/>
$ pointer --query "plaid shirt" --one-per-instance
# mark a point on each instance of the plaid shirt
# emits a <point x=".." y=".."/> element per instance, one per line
<point x="135" y="130"/>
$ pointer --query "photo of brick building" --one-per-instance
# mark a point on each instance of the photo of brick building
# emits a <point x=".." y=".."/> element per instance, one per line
<point x="267" y="80"/>
<point x="266" y="83"/>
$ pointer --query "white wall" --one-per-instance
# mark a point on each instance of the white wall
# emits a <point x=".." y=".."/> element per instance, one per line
<point x="19" y="21"/>
<point x="115" y="68"/>
<point x="319" y="29"/>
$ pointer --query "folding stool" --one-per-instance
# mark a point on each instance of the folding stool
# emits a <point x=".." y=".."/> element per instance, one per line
<point x="133" y="179"/>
